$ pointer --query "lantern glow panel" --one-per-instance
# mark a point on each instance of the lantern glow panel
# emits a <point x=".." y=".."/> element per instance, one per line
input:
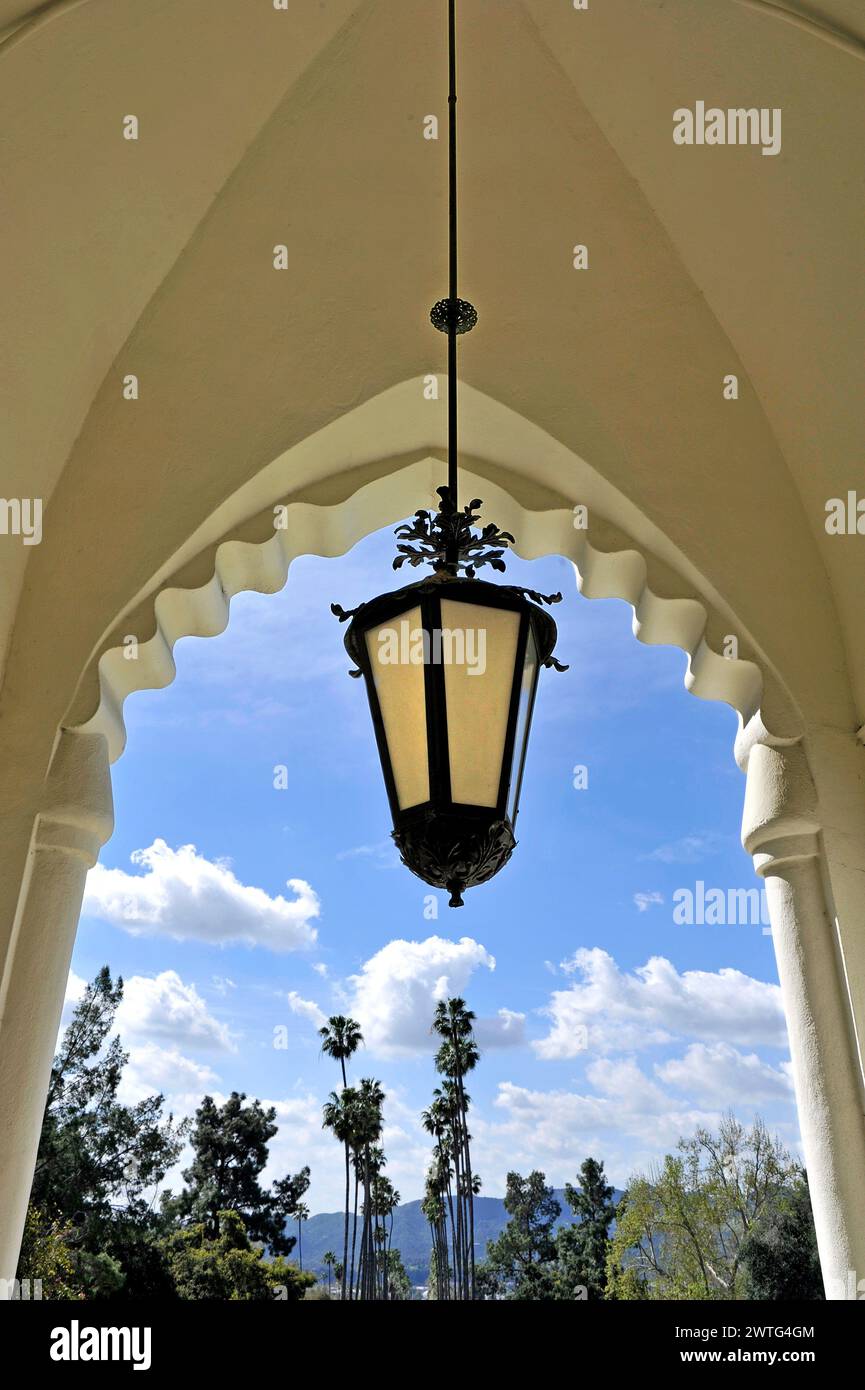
<point x="399" y="689"/>
<point x="451" y="668"/>
<point x="478" y="697"/>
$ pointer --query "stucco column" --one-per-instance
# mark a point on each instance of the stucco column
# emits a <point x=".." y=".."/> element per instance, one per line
<point x="75" y="819"/>
<point x="781" y="830"/>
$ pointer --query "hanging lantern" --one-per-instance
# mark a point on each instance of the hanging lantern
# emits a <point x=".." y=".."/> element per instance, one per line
<point x="451" y="664"/>
<point x="451" y="668"/>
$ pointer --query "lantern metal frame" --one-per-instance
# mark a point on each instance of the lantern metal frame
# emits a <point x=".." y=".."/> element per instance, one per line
<point x="447" y="843"/>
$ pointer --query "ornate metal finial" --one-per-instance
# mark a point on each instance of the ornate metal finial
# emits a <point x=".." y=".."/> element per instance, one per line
<point x="445" y="540"/>
<point x="440" y="316"/>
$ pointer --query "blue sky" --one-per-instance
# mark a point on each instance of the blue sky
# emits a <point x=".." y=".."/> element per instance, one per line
<point x="293" y="904"/>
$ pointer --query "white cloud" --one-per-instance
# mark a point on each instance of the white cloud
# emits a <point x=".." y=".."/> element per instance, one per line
<point x="154" y="1020"/>
<point x="395" y="994"/>
<point x="164" y="1009"/>
<point x="655" y="1003"/>
<point x="646" y="900"/>
<point x="625" y="1116"/>
<point x="75" y="987"/>
<point x="507" y="1029"/>
<point x="187" y="897"/>
<point x="152" y="1069"/>
<point x="625" y="1119"/>
<point x="689" y="850"/>
<point x="383" y="854"/>
<point x="306" y="1008"/>
<point x="721" y="1075"/>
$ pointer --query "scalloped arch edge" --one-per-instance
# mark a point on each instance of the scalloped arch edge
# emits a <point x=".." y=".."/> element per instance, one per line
<point x="181" y="609"/>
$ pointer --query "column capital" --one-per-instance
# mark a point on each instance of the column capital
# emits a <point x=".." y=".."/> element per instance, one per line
<point x="76" y="809"/>
<point x="780" y="818"/>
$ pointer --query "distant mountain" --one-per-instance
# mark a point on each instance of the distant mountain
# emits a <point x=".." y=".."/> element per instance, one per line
<point x="410" y="1233"/>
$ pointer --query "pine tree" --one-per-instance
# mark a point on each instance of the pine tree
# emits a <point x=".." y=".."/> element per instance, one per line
<point x="582" y="1247"/>
<point x="520" y="1264"/>
<point x="230" y="1144"/>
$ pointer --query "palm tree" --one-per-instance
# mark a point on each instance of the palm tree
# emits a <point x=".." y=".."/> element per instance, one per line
<point x="390" y="1204"/>
<point x="438" y="1122"/>
<point x="385" y="1200"/>
<point x="339" y="1111"/>
<point x="328" y="1259"/>
<point x="340" y="1039"/>
<point x="368" y="1161"/>
<point x="457" y="1056"/>
<point x="433" y="1208"/>
<point x="448" y="1098"/>
<point x="301" y="1214"/>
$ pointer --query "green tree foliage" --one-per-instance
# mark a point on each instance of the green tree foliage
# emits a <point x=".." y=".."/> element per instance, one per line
<point x="47" y="1259"/>
<point x="398" y="1283"/>
<point x="682" y="1231"/>
<point x="98" y="1158"/>
<point x="226" y="1266"/>
<point x="230" y="1145"/>
<point x="93" y="1150"/>
<point x="135" y="1241"/>
<point x="581" y="1248"/>
<point x="780" y="1253"/>
<point x="520" y="1264"/>
<point x="91" y="1229"/>
<point x="340" y="1039"/>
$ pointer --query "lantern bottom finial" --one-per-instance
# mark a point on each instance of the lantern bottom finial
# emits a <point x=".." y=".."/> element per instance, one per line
<point x="455" y="851"/>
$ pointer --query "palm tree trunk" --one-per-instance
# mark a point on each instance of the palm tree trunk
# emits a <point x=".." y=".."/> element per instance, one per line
<point x="363" y="1264"/>
<point x="351" y="1288"/>
<point x="470" y="1197"/>
<point x="458" y="1233"/>
<point x="444" y="1261"/>
<point x="387" y="1246"/>
<point x="451" y="1265"/>
<point x="345" y="1232"/>
<point x="369" y="1266"/>
<point x="464" y="1206"/>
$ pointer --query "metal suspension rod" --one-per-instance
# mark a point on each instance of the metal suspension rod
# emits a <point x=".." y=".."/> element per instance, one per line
<point x="453" y="307"/>
<point x="453" y="315"/>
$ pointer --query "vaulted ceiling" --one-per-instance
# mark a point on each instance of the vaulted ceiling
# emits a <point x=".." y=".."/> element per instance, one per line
<point x="305" y="127"/>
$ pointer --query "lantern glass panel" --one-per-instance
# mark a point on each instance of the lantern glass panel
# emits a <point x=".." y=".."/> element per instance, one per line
<point x="399" y="685"/>
<point x="524" y="718"/>
<point x="479" y="653"/>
